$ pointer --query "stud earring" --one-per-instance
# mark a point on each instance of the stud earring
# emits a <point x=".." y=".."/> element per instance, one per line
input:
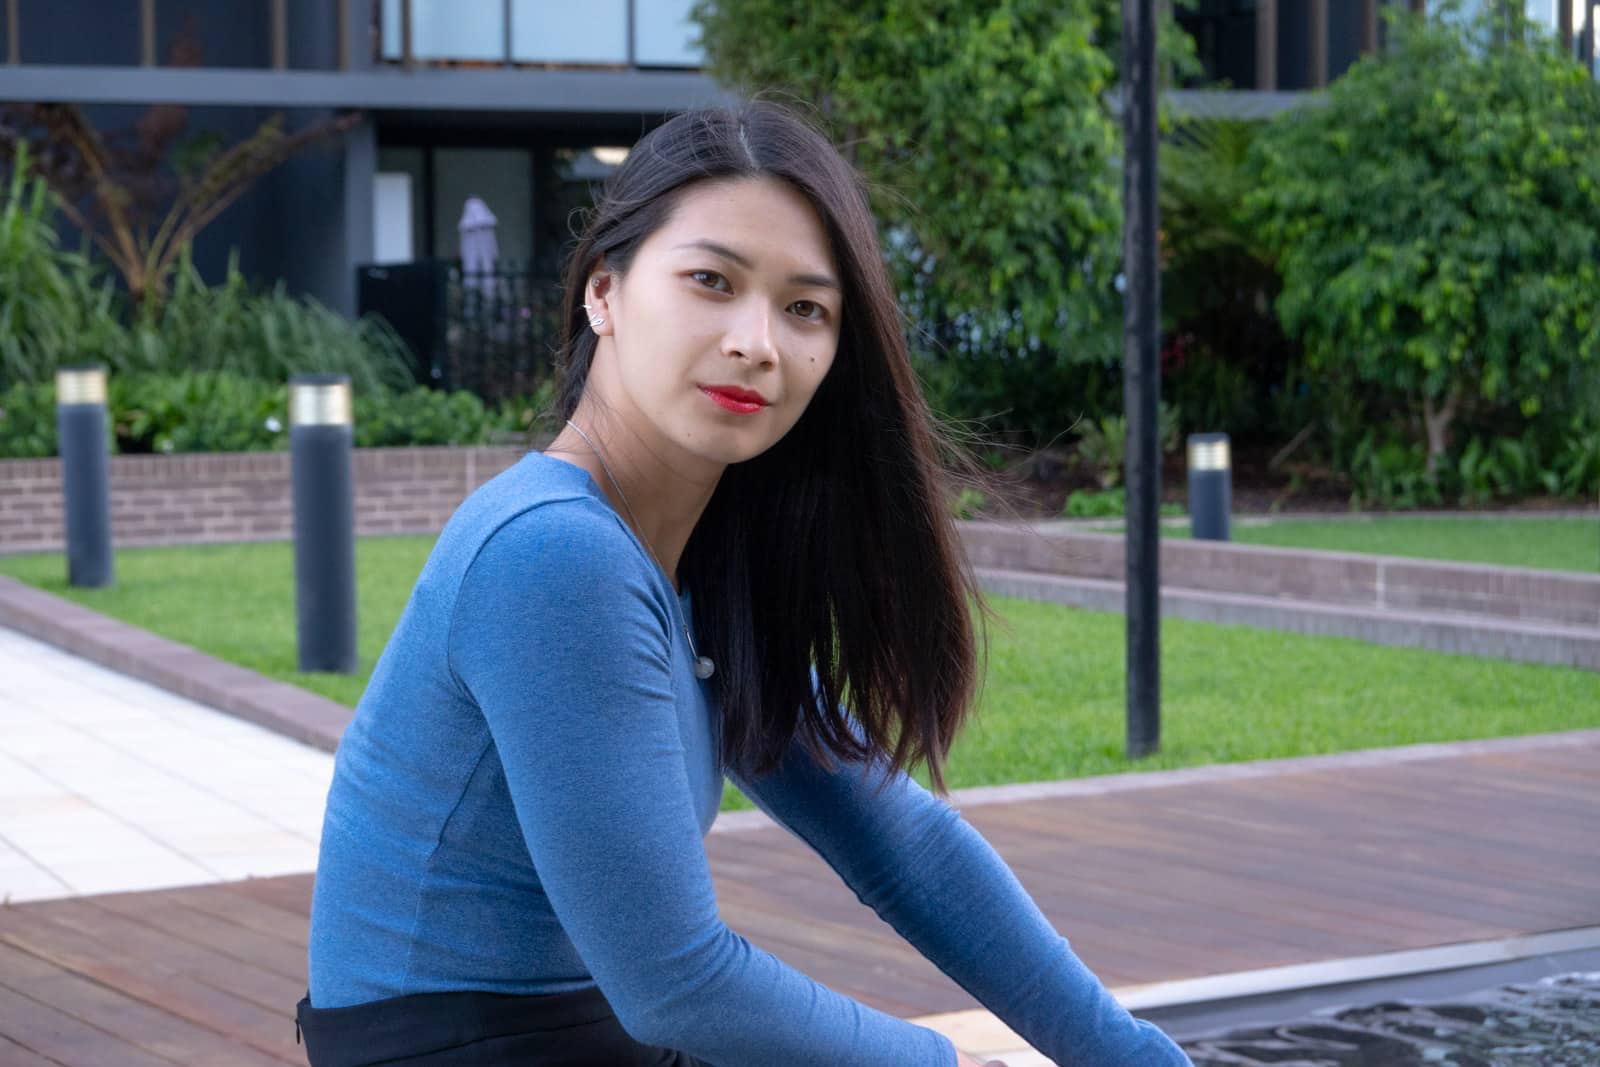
<point x="598" y="321"/>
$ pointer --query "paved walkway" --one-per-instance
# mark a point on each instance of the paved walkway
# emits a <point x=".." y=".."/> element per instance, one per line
<point x="108" y="784"/>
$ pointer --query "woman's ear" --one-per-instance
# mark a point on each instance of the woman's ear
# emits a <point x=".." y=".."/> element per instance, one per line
<point x="597" y="297"/>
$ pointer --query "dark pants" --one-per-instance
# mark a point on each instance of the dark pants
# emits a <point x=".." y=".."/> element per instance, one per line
<point x="482" y="1029"/>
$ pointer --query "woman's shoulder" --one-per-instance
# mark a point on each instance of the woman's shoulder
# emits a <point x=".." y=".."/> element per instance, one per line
<point x="539" y="514"/>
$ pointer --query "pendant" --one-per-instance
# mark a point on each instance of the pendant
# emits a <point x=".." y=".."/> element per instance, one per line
<point x="703" y="667"/>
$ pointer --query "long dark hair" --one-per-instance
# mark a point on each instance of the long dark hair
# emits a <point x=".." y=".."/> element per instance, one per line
<point x="835" y="548"/>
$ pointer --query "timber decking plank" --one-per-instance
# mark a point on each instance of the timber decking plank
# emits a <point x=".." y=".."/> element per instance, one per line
<point x="1316" y="919"/>
<point x="126" y="955"/>
<point x="220" y="935"/>
<point x="1328" y="864"/>
<point x="254" y="915"/>
<point x="14" y="1055"/>
<point x="68" y="1041"/>
<point x="291" y="893"/>
<point x="1500" y="864"/>
<point x="146" y="1026"/>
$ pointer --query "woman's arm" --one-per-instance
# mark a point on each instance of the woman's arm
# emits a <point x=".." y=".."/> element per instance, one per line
<point x="560" y="634"/>
<point x="911" y="857"/>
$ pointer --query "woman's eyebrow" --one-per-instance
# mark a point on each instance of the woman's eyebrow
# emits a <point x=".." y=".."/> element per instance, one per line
<point x="824" y="281"/>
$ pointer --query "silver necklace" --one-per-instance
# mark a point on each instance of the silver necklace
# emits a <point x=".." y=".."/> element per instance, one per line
<point x="702" y="664"/>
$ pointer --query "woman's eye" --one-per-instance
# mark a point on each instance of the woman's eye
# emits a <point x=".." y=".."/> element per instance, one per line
<point x="710" y="279"/>
<point x="809" y="309"/>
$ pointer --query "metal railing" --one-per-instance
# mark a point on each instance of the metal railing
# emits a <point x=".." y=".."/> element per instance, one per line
<point x="493" y="333"/>
<point x="502" y="329"/>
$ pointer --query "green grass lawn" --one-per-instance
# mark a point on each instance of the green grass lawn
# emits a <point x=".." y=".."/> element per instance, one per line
<point x="1550" y="544"/>
<point x="1555" y="544"/>
<point x="1053" y="703"/>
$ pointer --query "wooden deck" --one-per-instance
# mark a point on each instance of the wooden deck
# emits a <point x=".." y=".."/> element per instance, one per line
<point x="1149" y="884"/>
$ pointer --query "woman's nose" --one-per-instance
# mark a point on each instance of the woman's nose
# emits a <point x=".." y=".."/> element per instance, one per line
<point x="750" y="334"/>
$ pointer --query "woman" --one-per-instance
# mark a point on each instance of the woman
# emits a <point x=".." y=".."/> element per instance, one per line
<point x="743" y="517"/>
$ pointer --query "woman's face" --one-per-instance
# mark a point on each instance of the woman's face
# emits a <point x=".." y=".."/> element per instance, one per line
<point x="737" y="289"/>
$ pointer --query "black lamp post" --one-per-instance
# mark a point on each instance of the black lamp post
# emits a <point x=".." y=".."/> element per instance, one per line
<point x="320" y="465"/>
<point x="1142" y="375"/>
<point x="85" y="473"/>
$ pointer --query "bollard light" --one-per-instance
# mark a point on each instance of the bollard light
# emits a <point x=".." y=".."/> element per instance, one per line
<point x="85" y="473"/>
<point x="1210" y="486"/>
<point x="320" y="442"/>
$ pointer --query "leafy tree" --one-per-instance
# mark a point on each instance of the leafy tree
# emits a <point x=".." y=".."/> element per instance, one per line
<point x="985" y="129"/>
<point x="1437" y="226"/>
<point x="1225" y="359"/>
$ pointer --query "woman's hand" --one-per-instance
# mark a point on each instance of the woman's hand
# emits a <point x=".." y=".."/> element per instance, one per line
<point x="965" y="1060"/>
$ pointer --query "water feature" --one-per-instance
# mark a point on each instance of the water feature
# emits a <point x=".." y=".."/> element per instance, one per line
<point x="1552" y="1022"/>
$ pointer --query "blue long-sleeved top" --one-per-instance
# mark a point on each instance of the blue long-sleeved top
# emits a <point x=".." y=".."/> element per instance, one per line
<point x="520" y="802"/>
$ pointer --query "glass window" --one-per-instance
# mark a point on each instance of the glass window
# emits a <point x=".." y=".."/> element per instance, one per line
<point x="448" y="29"/>
<point x="663" y="36"/>
<point x="558" y="31"/>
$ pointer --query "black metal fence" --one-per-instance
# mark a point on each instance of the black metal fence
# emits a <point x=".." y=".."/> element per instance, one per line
<point x="493" y="333"/>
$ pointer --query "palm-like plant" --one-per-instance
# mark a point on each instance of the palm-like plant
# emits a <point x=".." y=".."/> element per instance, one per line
<point x="140" y="194"/>
<point x="120" y="193"/>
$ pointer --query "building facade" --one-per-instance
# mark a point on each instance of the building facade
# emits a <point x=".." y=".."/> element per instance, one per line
<point x="521" y="103"/>
<point x="1295" y="45"/>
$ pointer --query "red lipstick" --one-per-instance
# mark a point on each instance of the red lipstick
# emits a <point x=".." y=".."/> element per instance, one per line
<point x="735" y="399"/>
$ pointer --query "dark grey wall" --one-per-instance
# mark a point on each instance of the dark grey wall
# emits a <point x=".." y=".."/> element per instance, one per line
<point x="89" y="32"/>
<point x="314" y="216"/>
<point x="360" y="22"/>
<point x="232" y="34"/>
<point x="1344" y="36"/>
<point x="1294" y="44"/>
<point x="321" y="204"/>
<point x="314" y="34"/>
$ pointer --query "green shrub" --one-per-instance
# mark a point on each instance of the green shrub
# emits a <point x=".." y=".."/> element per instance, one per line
<point x="420" y="416"/>
<point x="28" y="421"/>
<point x="1103" y="443"/>
<point x="967" y="503"/>
<point x="59" y="308"/>
<point x="56" y="307"/>
<point x="1106" y="504"/>
<point x="269" y="336"/>
<point x="214" y="411"/>
<point x="1437" y="226"/>
<point x="520" y="419"/>
<point x="1392" y="474"/>
<point x="206" y="411"/>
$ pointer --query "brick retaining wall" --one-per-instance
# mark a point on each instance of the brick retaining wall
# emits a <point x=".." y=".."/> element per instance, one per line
<point x="1337" y="578"/>
<point x="163" y="500"/>
<point x="243" y="496"/>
